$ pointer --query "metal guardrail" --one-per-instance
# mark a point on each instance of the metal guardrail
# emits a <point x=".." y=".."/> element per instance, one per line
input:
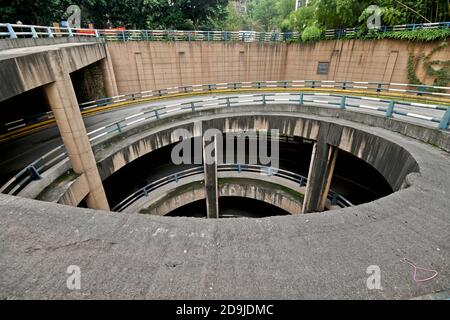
<point x="387" y="108"/>
<point x="13" y="31"/>
<point x="421" y="91"/>
<point x="335" y="198"/>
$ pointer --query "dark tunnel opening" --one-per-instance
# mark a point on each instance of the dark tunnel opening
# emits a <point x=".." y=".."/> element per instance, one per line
<point x="231" y="207"/>
<point x="23" y="108"/>
<point x="353" y="178"/>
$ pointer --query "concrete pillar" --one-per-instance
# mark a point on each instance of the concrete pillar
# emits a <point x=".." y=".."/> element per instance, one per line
<point x="328" y="176"/>
<point x="109" y="77"/>
<point x="64" y="104"/>
<point x="316" y="177"/>
<point x="210" y="168"/>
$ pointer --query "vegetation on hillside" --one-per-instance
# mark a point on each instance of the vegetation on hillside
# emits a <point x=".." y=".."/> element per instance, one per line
<point x="262" y="15"/>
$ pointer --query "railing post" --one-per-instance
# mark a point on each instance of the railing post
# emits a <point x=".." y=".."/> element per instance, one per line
<point x="33" y="32"/>
<point x="334" y="199"/>
<point x="97" y="35"/>
<point x="302" y="182"/>
<point x="69" y="29"/>
<point x="264" y="99"/>
<point x="302" y="98"/>
<point x="228" y="101"/>
<point x="49" y="32"/>
<point x="176" y="177"/>
<point x="193" y="106"/>
<point x="239" y="168"/>
<point x="34" y="173"/>
<point x="421" y="90"/>
<point x="390" y="109"/>
<point x="119" y="128"/>
<point x="12" y="33"/>
<point x="445" y="120"/>
<point x="313" y="84"/>
<point x="156" y="113"/>
<point x="145" y="191"/>
<point x="343" y="100"/>
<point x="344" y="85"/>
<point x="379" y="87"/>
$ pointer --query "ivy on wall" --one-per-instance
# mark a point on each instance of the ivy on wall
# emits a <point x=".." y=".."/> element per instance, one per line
<point x="439" y="70"/>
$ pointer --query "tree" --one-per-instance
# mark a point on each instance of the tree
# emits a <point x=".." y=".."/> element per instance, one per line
<point x="335" y="14"/>
<point x="184" y="14"/>
<point x="38" y="12"/>
<point x="236" y="21"/>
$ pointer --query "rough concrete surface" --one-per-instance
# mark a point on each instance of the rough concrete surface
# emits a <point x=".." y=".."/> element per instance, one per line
<point x="319" y="255"/>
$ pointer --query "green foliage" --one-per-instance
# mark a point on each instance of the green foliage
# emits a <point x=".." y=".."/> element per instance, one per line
<point x="311" y="33"/>
<point x="132" y="14"/>
<point x="413" y="35"/>
<point x="441" y="74"/>
<point x="411" y="67"/>
<point x="264" y="14"/>
<point x="261" y="15"/>
<point x="337" y="14"/>
<point x="42" y="12"/>
<point x="186" y="14"/>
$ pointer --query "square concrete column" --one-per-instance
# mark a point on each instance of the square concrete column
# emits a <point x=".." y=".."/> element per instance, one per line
<point x="317" y="177"/>
<point x="63" y="102"/>
<point x="328" y="176"/>
<point x="210" y="170"/>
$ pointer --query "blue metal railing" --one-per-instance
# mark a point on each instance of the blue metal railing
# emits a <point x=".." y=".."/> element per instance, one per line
<point x="13" y="31"/>
<point x="422" y="91"/>
<point x="298" y="179"/>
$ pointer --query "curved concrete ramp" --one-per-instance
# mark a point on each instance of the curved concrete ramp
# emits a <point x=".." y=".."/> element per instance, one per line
<point x="323" y="255"/>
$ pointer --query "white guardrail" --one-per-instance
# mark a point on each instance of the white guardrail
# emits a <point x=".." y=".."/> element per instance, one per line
<point x="388" y="108"/>
<point x="13" y="31"/>
<point x="421" y="91"/>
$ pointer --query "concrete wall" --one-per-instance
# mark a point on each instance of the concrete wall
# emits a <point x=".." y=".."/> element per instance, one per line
<point x="243" y="188"/>
<point x="244" y="184"/>
<point x="141" y="66"/>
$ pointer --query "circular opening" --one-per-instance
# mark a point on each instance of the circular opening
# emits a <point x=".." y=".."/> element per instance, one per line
<point x="231" y="207"/>
<point x="353" y="179"/>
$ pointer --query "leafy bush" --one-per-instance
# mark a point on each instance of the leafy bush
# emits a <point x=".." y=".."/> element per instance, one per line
<point x="414" y="35"/>
<point x="311" y="33"/>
